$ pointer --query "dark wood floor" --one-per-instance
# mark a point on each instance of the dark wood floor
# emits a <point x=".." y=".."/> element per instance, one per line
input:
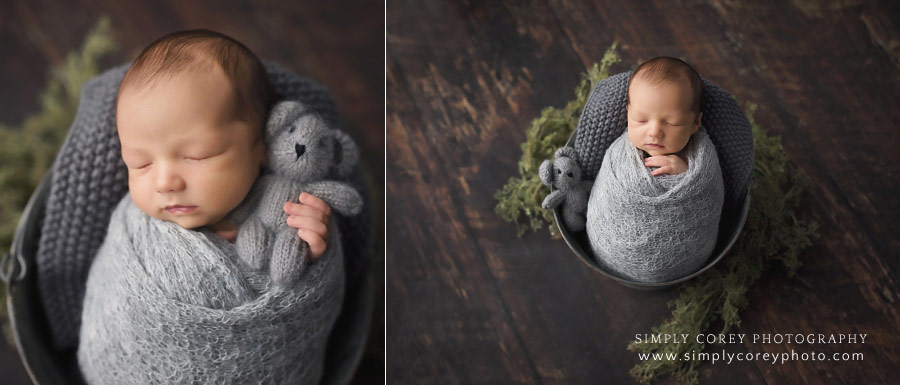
<point x="339" y="44"/>
<point x="470" y="303"/>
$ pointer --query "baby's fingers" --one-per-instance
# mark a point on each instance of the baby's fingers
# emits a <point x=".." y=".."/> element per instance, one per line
<point x="655" y="161"/>
<point x="316" y="243"/>
<point x="662" y="170"/>
<point x="301" y="210"/>
<point x="307" y="223"/>
<point x="314" y="201"/>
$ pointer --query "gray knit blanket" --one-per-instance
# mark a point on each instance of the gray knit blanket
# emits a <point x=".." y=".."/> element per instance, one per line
<point x="167" y="305"/>
<point x="89" y="179"/>
<point x="655" y="228"/>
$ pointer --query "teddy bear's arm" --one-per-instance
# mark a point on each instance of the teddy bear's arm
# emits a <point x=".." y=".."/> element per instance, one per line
<point x="340" y="196"/>
<point x="554" y="199"/>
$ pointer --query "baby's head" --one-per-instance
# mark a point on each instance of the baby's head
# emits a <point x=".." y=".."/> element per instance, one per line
<point x="190" y="117"/>
<point x="663" y="105"/>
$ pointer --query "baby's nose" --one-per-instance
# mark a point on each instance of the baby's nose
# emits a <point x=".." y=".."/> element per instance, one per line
<point x="299" y="149"/>
<point x="654" y="131"/>
<point x="168" y="181"/>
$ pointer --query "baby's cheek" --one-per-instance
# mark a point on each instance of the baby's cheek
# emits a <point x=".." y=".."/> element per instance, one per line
<point x="229" y="188"/>
<point x="136" y="189"/>
<point x="142" y="197"/>
<point x="631" y="133"/>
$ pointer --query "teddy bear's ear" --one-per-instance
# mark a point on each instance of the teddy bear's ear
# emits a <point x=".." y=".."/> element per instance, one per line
<point x="545" y="172"/>
<point x="566" y="152"/>
<point x="346" y="154"/>
<point x="283" y="114"/>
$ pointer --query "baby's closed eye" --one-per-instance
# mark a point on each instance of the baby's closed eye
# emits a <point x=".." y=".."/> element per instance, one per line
<point x="190" y="159"/>
<point x="137" y="165"/>
<point x="202" y="156"/>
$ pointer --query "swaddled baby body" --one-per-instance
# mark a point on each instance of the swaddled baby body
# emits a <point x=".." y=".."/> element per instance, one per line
<point x="166" y="299"/>
<point x="654" y="209"/>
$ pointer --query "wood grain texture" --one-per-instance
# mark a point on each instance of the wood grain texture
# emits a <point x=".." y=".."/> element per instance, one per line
<point x="338" y="44"/>
<point x="469" y="302"/>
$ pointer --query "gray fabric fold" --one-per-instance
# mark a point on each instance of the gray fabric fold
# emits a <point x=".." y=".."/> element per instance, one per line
<point x="167" y="305"/>
<point x="655" y="228"/>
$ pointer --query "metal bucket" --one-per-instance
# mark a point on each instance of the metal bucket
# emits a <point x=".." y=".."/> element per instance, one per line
<point x="49" y="366"/>
<point x="730" y="226"/>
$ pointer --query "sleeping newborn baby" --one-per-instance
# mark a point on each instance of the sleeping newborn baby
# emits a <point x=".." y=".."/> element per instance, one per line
<point x="167" y="299"/>
<point x="654" y="209"/>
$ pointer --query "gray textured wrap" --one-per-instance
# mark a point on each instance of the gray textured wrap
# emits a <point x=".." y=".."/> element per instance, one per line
<point x="167" y="305"/>
<point x="604" y="119"/>
<point x="655" y="228"/>
<point x="89" y="179"/>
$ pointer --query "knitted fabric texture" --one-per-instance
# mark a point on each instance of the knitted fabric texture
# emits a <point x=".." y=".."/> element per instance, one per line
<point x="655" y="228"/>
<point x="604" y="118"/>
<point x="89" y="178"/>
<point x="168" y="305"/>
<point x="570" y="190"/>
<point x="301" y="151"/>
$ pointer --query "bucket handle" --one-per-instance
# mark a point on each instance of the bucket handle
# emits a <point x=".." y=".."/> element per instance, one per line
<point x="9" y="265"/>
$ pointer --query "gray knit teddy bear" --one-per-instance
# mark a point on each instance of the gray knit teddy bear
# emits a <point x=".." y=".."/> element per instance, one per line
<point x="571" y="192"/>
<point x="301" y="152"/>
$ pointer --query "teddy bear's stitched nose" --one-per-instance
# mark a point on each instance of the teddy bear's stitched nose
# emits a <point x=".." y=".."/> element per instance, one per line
<point x="299" y="149"/>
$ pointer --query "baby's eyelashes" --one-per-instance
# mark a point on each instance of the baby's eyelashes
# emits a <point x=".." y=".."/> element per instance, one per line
<point x="203" y="154"/>
<point x="196" y="159"/>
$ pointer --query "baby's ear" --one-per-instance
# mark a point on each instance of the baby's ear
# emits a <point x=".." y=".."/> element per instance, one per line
<point x="262" y="153"/>
<point x="282" y="114"/>
<point x="346" y="154"/>
<point x="697" y="123"/>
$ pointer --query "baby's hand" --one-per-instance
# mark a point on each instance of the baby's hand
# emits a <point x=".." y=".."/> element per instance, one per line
<point x="311" y="217"/>
<point x="668" y="164"/>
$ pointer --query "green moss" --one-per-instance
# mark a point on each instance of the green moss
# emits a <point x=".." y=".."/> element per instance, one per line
<point x="27" y="151"/>
<point x="772" y="232"/>
<point x="519" y="201"/>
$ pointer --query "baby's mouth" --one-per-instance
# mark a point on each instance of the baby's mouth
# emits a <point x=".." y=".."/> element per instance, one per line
<point x="654" y="145"/>
<point x="180" y="209"/>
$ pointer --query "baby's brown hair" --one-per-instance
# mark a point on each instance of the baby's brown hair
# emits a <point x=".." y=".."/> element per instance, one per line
<point x="197" y="51"/>
<point x="665" y="68"/>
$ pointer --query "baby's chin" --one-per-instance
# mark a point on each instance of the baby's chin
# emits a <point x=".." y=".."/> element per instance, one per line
<point x="190" y="222"/>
